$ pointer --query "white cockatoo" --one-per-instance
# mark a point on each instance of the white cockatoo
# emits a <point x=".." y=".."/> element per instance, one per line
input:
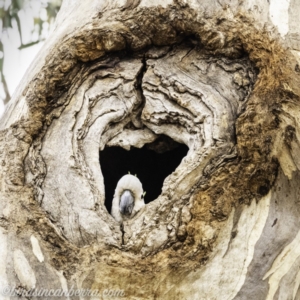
<point x="128" y="198"/>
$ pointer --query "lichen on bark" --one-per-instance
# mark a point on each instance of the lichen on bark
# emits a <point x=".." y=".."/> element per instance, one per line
<point x="225" y="86"/>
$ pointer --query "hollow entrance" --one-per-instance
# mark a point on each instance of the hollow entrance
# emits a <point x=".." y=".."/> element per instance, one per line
<point x="151" y="164"/>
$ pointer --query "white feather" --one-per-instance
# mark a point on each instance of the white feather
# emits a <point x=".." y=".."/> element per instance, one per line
<point x="132" y="183"/>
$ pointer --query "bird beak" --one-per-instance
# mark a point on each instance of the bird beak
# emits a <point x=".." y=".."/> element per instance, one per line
<point x="126" y="203"/>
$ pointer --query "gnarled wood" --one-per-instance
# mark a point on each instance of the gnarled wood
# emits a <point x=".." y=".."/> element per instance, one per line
<point x="128" y="75"/>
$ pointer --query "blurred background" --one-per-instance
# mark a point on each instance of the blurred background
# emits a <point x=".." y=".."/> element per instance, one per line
<point x="24" y="26"/>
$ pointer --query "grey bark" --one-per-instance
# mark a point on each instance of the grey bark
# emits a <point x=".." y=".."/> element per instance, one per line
<point x="215" y="77"/>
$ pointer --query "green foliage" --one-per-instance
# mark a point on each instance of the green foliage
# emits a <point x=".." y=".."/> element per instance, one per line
<point x="9" y="13"/>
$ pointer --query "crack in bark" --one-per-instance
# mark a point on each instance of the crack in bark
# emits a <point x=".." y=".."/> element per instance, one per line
<point x="200" y="134"/>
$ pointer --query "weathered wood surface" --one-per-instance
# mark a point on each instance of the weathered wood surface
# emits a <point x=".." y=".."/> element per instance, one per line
<point x="215" y="77"/>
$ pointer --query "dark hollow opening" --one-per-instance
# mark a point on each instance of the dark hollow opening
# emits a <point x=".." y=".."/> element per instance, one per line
<point x="152" y="164"/>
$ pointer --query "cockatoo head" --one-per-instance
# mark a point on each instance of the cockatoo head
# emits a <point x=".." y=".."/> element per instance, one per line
<point x="128" y="198"/>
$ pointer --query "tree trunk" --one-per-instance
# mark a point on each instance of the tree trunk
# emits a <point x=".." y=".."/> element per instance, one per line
<point x="204" y="98"/>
